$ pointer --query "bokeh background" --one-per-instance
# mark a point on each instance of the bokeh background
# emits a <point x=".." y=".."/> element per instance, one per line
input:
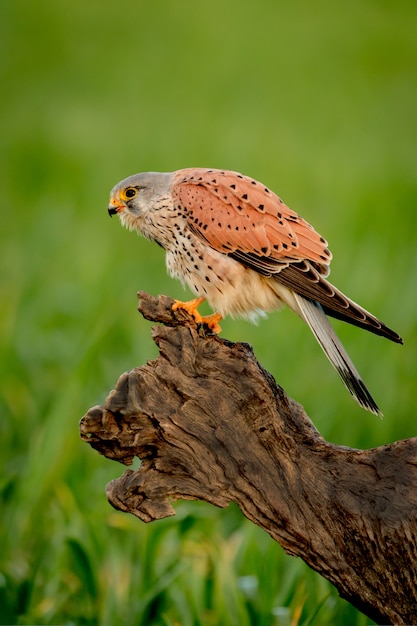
<point x="316" y="99"/>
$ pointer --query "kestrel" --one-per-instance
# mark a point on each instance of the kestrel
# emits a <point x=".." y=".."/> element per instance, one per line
<point x="238" y="246"/>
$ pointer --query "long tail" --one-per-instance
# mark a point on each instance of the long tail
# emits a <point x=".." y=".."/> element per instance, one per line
<point x="312" y="313"/>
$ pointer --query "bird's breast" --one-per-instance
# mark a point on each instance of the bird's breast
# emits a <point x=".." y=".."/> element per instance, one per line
<point x="229" y="287"/>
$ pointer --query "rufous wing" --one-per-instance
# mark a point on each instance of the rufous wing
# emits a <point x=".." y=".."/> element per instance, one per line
<point x="242" y="218"/>
<point x="232" y="212"/>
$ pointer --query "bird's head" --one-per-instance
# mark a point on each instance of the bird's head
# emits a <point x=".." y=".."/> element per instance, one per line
<point x="133" y="197"/>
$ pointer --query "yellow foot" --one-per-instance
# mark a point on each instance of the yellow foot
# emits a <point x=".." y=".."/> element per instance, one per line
<point x="212" y="321"/>
<point x="191" y="307"/>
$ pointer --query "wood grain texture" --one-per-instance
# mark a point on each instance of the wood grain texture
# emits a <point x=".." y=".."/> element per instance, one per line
<point x="209" y="423"/>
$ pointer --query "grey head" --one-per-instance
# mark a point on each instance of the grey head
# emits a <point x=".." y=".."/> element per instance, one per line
<point x="139" y="192"/>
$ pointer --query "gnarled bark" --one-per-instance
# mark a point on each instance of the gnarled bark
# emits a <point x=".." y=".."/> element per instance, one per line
<point x="209" y="423"/>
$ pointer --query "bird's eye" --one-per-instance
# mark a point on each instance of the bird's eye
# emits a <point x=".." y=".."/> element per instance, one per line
<point x="130" y="193"/>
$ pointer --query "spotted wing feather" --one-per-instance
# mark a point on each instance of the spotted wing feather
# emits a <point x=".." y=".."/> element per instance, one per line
<point x="304" y="279"/>
<point x="232" y="212"/>
<point x="242" y="218"/>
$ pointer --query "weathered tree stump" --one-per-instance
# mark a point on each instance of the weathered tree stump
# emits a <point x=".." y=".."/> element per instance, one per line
<point x="209" y="423"/>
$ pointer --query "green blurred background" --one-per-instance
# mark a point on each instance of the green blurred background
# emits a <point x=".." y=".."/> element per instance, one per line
<point x="316" y="99"/>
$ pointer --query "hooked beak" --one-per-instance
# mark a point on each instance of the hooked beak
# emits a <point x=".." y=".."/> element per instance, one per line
<point x="115" y="207"/>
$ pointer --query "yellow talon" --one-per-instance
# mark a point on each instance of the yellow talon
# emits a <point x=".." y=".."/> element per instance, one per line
<point x="191" y="307"/>
<point x="212" y="321"/>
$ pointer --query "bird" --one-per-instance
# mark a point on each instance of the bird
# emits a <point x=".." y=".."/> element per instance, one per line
<point x="236" y="244"/>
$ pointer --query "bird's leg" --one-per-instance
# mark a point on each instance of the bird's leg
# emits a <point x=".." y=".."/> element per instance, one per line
<point x="212" y="321"/>
<point x="191" y="307"/>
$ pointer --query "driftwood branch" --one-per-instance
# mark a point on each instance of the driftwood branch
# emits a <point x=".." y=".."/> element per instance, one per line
<point x="209" y="423"/>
